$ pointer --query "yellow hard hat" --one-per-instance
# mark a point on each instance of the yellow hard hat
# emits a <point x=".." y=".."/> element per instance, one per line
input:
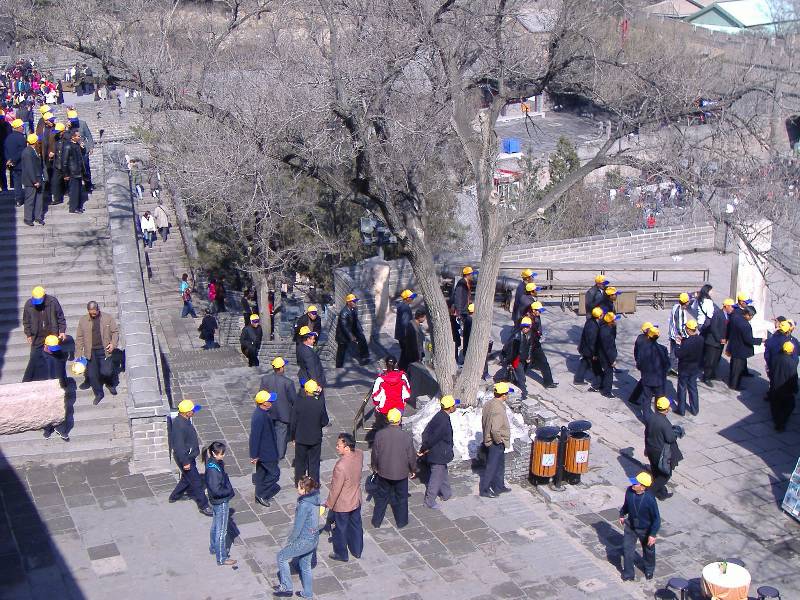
<point x="501" y="388"/>
<point x="728" y="302"/>
<point x="17" y="123"/>
<point x="48" y="116"/>
<point x="597" y="312"/>
<point x="609" y="317"/>
<point x="662" y="403"/>
<point x="537" y="306"/>
<point x="254" y="318"/>
<point x="788" y="347"/>
<point x="530" y="287"/>
<point x="306" y="330"/>
<point x="691" y="324"/>
<point x="470" y="308"/>
<point x="742" y="297"/>
<point x="525" y="322"/>
<point x="60" y="127"/>
<point x="448" y="401"/>
<point x="784" y="326"/>
<point x="278" y="363"/>
<point x="51" y="340"/>
<point x="467" y="271"/>
<point x="311" y="309"/>
<point x="43" y="109"/>
<point x="38" y="292"/>
<point x="32" y="138"/>
<point x="186" y="406"/>
<point x="644" y="478"/>
<point x="78" y="368"/>
<point x="611" y="290"/>
<point x="408" y="294"/>
<point x="646" y="326"/>
<point x="600" y="279"/>
<point x="72" y="114"/>
<point x="683" y="298"/>
<point x="264" y="396"/>
<point x="653" y="332"/>
<point x="351" y="298"/>
<point x="394" y="416"/>
<point x="526" y="273"/>
<point x="311" y="387"/>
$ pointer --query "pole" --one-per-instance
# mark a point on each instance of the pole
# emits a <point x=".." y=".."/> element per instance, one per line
<point x="558" y="484"/>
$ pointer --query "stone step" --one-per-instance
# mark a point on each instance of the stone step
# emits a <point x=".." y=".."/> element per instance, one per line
<point x="56" y="451"/>
<point x="66" y="295"/>
<point x="93" y="278"/>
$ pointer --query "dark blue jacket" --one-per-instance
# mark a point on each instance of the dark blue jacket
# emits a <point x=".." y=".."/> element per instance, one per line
<point x="404" y="317"/>
<point x="641" y="510"/>
<point x="740" y="338"/>
<point x="773" y="346"/>
<point x="13" y="146"/>
<point x="185" y="444"/>
<point x="690" y="354"/>
<point x="306" y="518"/>
<point x="309" y="365"/>
<point x="607" y="344"/>
<point x="460" y="296"/>
<point x="218" y="483"/>
<point x="594" y="296"/>
<point x="716" y="330"/>
<point x="263" y="444"/>
<point x="653" y="363"/>
<point x="437" y="439"/>
<point x="590" y="335"/>
<point x="287" y="395"/>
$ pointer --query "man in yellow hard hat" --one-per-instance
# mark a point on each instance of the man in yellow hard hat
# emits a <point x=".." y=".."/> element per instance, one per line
<point x="309" y="364"/>
<point x="404" y="314"/>
<point x="437" y="451"/>
<point x="520" y="294"/>
<point x="57" y="184"/>
<point x="308" y="419"/>
<point x="264" y="448"/>
<point x="653" y="364"/>
<point x="74" y="167"/>
<point x="42" y="316"/>
<point x="283" y="405"/>
<point x="715" y="335"/>
<point x="496" y="438"/>
<point x="309" y="319"/>
<point x="641" y="520"/>
<point x="661" y="448"/>
<point x="186" y="448"/>
<point x="412" y="348"/>
<point x="349" y="331"/>
<point x="13" y="146"/>
<point x="677" y="328"/>
<point x="393" y="461"/>
<point x="595" y="295"/>
<point x="636" y="394"/>
<point x="250" y="340"/>
<point x="690" y="360"/>
<point x="588" y="346"/>
<point x="783" y="385"/>
<point x="606" y="354"/>
<point x="32" y="182"/>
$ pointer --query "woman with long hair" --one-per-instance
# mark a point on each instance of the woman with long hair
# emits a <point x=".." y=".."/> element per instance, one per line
<point x="703" y="306"/>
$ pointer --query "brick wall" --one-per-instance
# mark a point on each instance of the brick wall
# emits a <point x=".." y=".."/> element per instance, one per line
<point x="620" y="247"/>
<point x="150" y="444"/>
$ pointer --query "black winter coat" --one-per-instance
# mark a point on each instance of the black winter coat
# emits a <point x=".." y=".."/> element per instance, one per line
<point x="607" y="346"/>
<point x="594" y="295"/>
<point x="437" y="439"/>
<point x="13" y="146"/>
<point x="54" y="320"/>
<point x="461" y="296"/>
<point x="31" y="168"/>
<point x="404" y="317"/>
<point x="309" y="365"/>
<point x="590" y="338"/>
<point x="717" y="329"/>
<point x="72" y="161"/>
<point x="263" y="442"/>
<point x="653" y="363"/>
<point x="304" y="321"/>
<point x="185" y="444"/>
<point x="783" y="374"/>
<point x="658" y="432"/>
<point x="690" y="354"/>
<point x="308" y="418"/>
<point x="740" y="338"/>
<point x="250" y="339"/>
<point x="218" y="483"/>
<point x="348" y="326"/>
<point x="287" y="395"/>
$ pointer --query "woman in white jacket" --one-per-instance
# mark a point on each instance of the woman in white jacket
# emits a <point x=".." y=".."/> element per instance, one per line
<point x="703" y="305"/>
<point x="148" y="224"/>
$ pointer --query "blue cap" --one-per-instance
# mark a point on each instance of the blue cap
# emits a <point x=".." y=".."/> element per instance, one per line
<point x="55" y="348"/>
<point x="37" y="301"/>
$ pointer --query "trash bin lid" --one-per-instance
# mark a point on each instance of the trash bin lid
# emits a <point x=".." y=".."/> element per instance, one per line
<point x="547" y="433"/>
<point x="579" y="426"/>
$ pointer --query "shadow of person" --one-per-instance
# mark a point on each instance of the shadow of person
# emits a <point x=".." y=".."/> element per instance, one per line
<point x="611" y="538"/>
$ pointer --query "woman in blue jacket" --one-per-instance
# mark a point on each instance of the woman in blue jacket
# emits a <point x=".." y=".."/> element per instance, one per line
<point x="220" y="493"/>
<point x="303" y="540"/>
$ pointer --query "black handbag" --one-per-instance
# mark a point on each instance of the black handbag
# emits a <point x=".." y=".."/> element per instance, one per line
<point x="371" y="484"/>
<point x="106" y="367"/>
<point x="665" y="460"/>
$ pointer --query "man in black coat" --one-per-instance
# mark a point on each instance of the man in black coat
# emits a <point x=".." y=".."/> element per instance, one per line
<point x="404" y="314"/>
<point x="587" y="347"/>
<point x="740" y="346"/>
<point x="774" y="343"/>
<point x="264" y="448"/>
<point x="5" y="131"/>
<point x="308" y="418"/>
<point x="412" y="347"/>
<point x="519" y="295"/>
<point x="689" y="352"/>
<point x="57" y="183"/>
<point x="186" y="448"/>
<point x="462" y="292"/>
<point x="75" y="172"/>
<point x="437" y="450"/>
<point x="32" y="182"/>
<point x="13" y="146"/>
<point x="42" y="315"/>
<point x="641" y="339"/>
<point x="640" y="517"/>
<point x="715" y="335"/>
<point x="309" y="365"/>
<point x="783" y="385"/>
<point x="653" y="364"/>
<point x="523" y="308"/>
<point x="311" y="320"/>
<point x="285" y="397"/>
<point x="349" y="331"/>
<point x="595" y="294"/>
<point x="658" y="434"/>
<point x="606" y="354"/>
<point x="250" y="340"/>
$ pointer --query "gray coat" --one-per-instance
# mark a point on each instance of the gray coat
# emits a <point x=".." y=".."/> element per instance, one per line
<point x="287" y="395"/>
<point x="393" y="454"/>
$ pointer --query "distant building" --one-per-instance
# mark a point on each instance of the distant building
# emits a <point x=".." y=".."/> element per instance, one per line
<point x="735" y="16"/>
<point x="676" y="9"/>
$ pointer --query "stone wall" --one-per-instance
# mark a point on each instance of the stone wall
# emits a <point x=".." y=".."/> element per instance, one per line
<point x="146" y="404"/>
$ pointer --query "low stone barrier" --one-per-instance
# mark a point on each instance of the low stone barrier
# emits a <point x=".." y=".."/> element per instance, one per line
<point x="29" y="406"/>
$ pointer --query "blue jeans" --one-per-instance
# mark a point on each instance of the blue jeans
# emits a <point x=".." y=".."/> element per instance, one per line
<point x="303" y="549"/>
<point x="219" y="532"/>
<point x="348" y="534"/>
<point x="188" y="309"/>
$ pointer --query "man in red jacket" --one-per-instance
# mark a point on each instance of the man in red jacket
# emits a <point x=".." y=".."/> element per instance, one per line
<point x="391" y="390"/>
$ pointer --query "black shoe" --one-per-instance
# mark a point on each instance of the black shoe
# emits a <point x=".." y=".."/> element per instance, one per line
<point x="673" y="372"/>
<point x="551" y="385"/>
<point x="665" y="496"/>
<point x="333" y="556"/>
<point x="48" y="432"/>
<point x="112" y="390"/>
<point x="489" y="494"/>
<point x="206" y="511"/>
<point x="63" y="436"/>
<point x="28" y="223"/>
<point x="593" y="389"/>
<point x="40" y="221"/>
<point x="631" y="578"/>
<point x="85" y="385"/>
<point x="178" y="499"/>
<point x="73" y="212"/>
<point x="262" y="501"/>
<point x="282" y="594"/>
<point x="97" y="398"/>
<point x="648" y="576"/>
<point x="502" y="490"/>
<point x="707" y="382"/>
<point x="579" y="382"/>
<point x="607" y="395"/>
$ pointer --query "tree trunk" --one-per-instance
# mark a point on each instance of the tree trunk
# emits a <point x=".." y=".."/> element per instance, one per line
<point x="262" y="285"/>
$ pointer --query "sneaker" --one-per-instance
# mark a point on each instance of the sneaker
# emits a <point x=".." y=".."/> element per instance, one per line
<point x="489" y="494"/>
<point x="206" y="511"/>
<point x="228" y="562"/>
<point x="502" y="490"/>
<point x="551" y="385"/>
<point x="63" y="436"/>
<point x="112" y="390"/>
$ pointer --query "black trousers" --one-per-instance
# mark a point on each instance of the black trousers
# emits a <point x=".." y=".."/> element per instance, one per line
<point x="96" y="380"/>
<point x="636" y="394"/>
<point x="16" y="181"/>
<point x="738" y="369"/>
<point x="392" y="492"/>
<point x="361" y="344"/>
<point x="687" y="383"/>
<point x="650" y="393"/>
<point x="629" y="540"/>
<point x="58" y="187"/>
<point x="348" y="533"/>
<point x="36" y="367"/>
<point x="493" y="476"/>
<point x="781" y="404"/>
<point x="606" y="377"/>
<point x="266" y="479"/>
<point x="306" y="460"/>
<point x="711" y="358"/>
<point x="660" y="478"/>
<point x="34" y="204"/>
<point x="191" y="483"/>
<point x="77" y="193"/>
<point x="252" y="358"/>
<point x="586" y="364"/>
<point x="538" y="360"/>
